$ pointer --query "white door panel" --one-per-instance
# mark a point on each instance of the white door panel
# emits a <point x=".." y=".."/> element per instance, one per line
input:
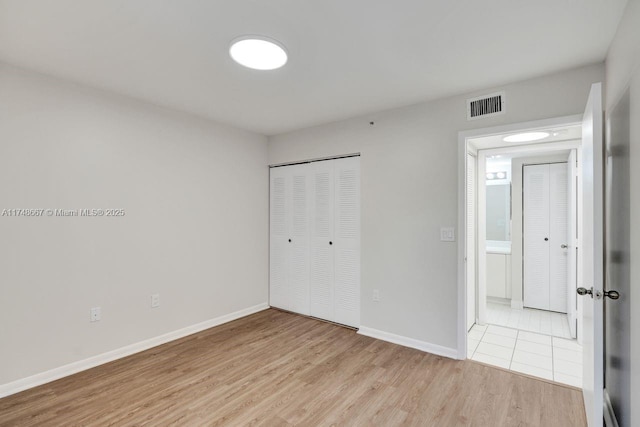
<point x="592" y="257"/>
<point x="322" y="299"/>
<point x="346" y="241"/>
<point x="545" y="236"/>
<point x="278" y="242"/>
<point x="536" y="230"/>
<point x="558" y="212"/>
<point x="315" y="239"/>
<point x="299" y="235"/>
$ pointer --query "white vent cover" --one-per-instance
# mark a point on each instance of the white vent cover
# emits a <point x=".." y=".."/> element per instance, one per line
<point x="485" y="106"/>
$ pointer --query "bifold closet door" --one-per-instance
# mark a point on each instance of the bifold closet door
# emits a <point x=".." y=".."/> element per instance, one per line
<point x="321" y="284"/>
<point x="536" y="236"/>
<point x="289" y="240"/>
<point x="346" y="242"/>
<point x="545" y="236"/>
<point x="315" y="239"/>
<point x="558" y="237"/>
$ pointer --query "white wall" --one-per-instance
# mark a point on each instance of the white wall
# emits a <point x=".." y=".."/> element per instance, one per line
<point x="195" y="230"/>
<point x="623" y="71"/>
<point x="409" y="189"/>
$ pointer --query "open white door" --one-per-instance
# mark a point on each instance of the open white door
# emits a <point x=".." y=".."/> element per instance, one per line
<point x="592" y="257"/>
<point x="572" y="245"/>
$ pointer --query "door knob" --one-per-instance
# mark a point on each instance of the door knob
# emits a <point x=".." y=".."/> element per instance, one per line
<point x="564" y="246"/>
<point x="612" y="294"/>
<point x="585" y="291"/>
<point x="546" y="239"/>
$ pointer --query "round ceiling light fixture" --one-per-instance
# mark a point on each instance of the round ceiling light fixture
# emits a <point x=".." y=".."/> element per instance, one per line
<point x="526" y="137"/>
<point x="258" y="52"/>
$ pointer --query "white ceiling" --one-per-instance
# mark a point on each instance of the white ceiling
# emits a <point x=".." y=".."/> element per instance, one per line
<point x="347" y="58"/>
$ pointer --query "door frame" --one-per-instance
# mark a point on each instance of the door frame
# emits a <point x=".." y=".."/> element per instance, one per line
<point x="463" y="148"/>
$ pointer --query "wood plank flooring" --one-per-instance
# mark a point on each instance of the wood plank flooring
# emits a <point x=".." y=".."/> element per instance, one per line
<point x="279" y="369"/>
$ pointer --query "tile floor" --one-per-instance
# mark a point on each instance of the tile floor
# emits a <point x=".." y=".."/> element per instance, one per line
<point x="531" y="353"/>
<point x="543" y="322"/>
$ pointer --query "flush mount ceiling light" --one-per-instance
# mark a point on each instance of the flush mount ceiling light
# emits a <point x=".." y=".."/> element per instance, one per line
<point x="496" y="175"/>
<point x="258" y="52"/>
<point x="526" y="137"/>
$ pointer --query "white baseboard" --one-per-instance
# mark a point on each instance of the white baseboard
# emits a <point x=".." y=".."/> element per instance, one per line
<point x="519" y="305"/>
<point x="82" y="365"/>
<point x="451" y="353"/>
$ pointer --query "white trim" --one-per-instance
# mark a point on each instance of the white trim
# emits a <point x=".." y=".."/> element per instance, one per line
<point x="518" y="305"/>
<point x="462" y="155"/>
<point x="451" y="353"/>
<point x="481" y="238"/>
<point x="91" y="362"/>
<point x="575" y="119"/>
<point x="610" y="419"/>
<point x="462" y="248"/>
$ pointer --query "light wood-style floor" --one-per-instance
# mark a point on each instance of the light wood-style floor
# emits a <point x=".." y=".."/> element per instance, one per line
<point x="278" y="369"/>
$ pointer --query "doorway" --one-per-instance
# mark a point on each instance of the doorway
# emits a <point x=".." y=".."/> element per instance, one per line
<point x="503" y="331"/>
<point x="589" y="268"/>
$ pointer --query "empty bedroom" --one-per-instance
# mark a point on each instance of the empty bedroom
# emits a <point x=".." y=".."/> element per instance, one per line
<point x="277" y="213"/>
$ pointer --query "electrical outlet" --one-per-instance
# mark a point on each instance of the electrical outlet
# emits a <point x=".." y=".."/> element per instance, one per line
<point x="155" y="300"/>
<point x="376" y="295"/>
<point x="95" y="314"/>
<point x="447" y="234"/>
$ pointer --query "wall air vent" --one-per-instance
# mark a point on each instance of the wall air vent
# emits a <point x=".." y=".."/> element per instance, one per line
<point x="485" y="106"/>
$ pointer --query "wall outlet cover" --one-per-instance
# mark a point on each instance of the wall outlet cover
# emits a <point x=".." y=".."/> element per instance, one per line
<point x="95" y="314"/>
<point x="447" y="234"/>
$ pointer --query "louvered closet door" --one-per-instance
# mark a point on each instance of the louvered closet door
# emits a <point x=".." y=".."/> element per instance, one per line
<point x="346" y="242"/>
<point x="536" y="230"/>
<point x="300" y="182"/>
<point x="289" y="238"/>
<point x="279" y="293"/>
<point x="315" y="239"/>
<point x="558" y="215"/>
<point x="321" y="287"/>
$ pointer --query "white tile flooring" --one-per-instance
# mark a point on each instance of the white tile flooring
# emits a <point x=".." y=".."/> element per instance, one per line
<point x="531" y="353"/>
<point x="544" y="322"/>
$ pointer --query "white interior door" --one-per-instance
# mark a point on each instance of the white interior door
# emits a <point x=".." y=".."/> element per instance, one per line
<point x="278" y="242"/>
<point x="558" y="246"/>
<point x="471" y="241"/>
<point x="346" y="241"/>
<point x="536" y="236"/>
<point x="322" y="229"/>
<point x="289" y="238"/>
<point x="572" y="236"/>
<point x="592" y="257"/>
<point x="300" y="183"/>
<point x="315" y="239"/>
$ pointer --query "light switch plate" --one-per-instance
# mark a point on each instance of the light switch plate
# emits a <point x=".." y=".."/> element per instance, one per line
<point x="447" y="234"/>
